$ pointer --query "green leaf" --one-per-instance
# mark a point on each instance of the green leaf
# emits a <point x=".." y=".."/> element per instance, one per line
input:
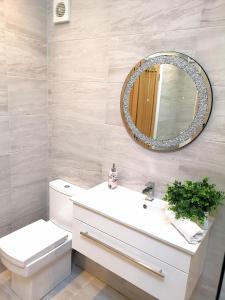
<point x="191" y="199"/>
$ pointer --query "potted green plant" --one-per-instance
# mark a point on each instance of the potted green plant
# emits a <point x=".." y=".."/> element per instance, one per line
<point x="193" y="200"/>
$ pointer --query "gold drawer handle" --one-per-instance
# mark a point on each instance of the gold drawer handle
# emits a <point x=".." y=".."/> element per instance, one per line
<point x="144" y="266"/>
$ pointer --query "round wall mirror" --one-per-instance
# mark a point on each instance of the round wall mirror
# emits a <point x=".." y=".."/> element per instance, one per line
<point x="166" y="101"/>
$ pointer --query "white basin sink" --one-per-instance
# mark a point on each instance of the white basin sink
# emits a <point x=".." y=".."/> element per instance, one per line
<point x="125" y="205"/>
<point x="121" y="200"/>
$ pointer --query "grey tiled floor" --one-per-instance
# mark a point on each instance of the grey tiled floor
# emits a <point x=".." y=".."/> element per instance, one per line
<point x="80" y="285"/>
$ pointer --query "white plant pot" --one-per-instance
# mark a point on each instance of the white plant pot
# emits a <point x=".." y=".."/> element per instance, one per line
<point x="206" y="221"/>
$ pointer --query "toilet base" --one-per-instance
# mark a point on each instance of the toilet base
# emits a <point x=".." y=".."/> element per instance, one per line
<point x="42" y="282"/>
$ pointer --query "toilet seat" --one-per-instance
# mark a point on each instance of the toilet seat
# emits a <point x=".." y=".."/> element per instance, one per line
<point x="38" y="256"/>
<point x="30" y="243"/>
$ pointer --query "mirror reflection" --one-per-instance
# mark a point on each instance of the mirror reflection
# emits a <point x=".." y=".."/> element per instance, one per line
<point x="163" y="101"/>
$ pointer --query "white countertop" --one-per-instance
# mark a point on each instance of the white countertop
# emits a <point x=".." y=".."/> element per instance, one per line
<point x="125" y="206"/>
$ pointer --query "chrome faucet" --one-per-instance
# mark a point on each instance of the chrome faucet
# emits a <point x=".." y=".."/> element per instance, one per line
<point x="149" y="191"/>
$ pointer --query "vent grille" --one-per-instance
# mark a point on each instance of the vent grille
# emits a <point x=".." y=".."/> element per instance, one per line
<point x="60" y="9"/>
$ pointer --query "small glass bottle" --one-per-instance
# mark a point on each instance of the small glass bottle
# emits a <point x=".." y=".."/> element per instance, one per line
<point x="113" y="178"/>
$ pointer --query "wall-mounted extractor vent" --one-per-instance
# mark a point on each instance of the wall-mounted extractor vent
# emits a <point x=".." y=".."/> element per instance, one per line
<point x="61" y="11"/>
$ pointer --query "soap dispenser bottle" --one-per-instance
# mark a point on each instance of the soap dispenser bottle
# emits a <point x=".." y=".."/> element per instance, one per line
<point x="113" y="178"/>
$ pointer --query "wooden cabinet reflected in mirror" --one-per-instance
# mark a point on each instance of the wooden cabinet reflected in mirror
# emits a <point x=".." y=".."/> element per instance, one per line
<point x="163" y="101"/>
<point x="143" y="100"/>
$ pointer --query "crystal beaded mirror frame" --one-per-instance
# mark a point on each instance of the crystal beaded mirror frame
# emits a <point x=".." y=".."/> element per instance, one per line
<point x="166" y="101"/>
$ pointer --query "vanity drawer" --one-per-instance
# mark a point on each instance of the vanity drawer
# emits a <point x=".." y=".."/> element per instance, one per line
<point x="148" y="273"/>
<point x="154" y="247"/>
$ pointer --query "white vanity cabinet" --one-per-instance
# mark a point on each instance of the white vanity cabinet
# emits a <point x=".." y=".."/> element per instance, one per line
<point x="138" y="245"/>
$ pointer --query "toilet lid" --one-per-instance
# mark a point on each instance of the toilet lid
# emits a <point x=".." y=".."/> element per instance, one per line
<point x="31" y="242"/>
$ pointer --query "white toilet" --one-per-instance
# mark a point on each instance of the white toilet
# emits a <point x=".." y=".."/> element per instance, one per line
<point x="39" y="255"/>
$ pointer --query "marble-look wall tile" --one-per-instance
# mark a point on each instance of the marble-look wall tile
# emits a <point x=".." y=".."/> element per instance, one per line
<point x="67" y="167"/>
<point x="23" y="112"/>
<point x="217" y="112"/>
<point x="29" y="166"/>
<point x="184" y="41"/>
<point x="214" y="152"/>
<point x="2" y="38"/>
<point x="3" y="79"/>
<point x="194" y="170"/>
<point x="119" y="141"/>
<point x="29" y="131"/>
<point x="124" y="53"/>
<point x="26" y="57"/>
<point x="26" y="17"/>
<point x="2" y="14"/>
<point x="222" y="296"/>
<point x="213" y="13"/>
<point x="136" y="165"/>
<point x="28" y="201"/>
<point x="86" y="20"/>
<point x="183" y="14"/>
<point x="84" y="143"/>
<point x="75" y="155"/>
<point x="214" y="130"/>
<point x="218" y="99"/>
<point x="210" y="132"/>
<point x="129" y="17"/>
<point x="138" y="17"/>
<point x="81" y="60"/>
<point x="32" y="216"/>
<point x="220" y="122"/>
<point x="5" y="200"/>
<point x="5" y="176"/>
<point x="210" y="53"/>
<point x="2" y="51"/>
<point x="78" y="100"/>
<point x="112" y="112"/>
<point x="5" y="141"/>
<point x="27" y="96"/>
<point x="68" y="162"/>
<point x="3" y="95"/>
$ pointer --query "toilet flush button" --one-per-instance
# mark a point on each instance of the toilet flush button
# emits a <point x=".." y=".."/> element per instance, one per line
<point x="66" y="186"/>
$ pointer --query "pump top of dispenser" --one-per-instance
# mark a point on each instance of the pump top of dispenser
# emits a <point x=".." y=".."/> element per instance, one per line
<point x="113" y="177"/>
<point x="113" y="169"/>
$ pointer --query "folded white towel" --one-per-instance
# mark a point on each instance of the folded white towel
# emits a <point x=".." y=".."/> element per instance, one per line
<point x="190" y="230"/>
